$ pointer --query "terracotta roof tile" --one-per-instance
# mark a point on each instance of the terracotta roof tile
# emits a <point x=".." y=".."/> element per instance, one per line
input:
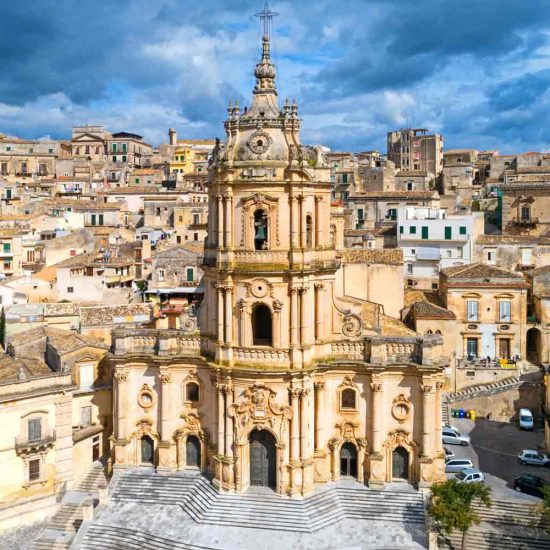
<point x="426" y="310"/>
<point x="388" y="256"/>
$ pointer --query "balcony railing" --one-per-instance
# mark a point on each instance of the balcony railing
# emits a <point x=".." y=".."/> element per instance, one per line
<point x="23" y="443"/>
<point x="524" y="222"/>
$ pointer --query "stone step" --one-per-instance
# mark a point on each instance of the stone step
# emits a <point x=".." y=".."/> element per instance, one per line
<point x="67" y="518"/>
<point x="492" y="540"/>
<point x="510" y="512"/>
<point x="104" y="537"/>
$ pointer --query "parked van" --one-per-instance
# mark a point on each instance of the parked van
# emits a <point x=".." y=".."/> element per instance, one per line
<point x="526" y="419"/>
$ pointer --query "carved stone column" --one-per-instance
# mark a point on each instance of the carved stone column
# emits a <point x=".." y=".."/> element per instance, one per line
<point x="303" y="237"/>
<point x="303" y="316"/>
<point x="220" y="221"/>
<point x="427" y="417"/>
<point x="242" y="323"/>
<point x="166" y="458"/>
<point x="294" y="315"/>
<point x="219" y="289"/>
<point x="294" y="222"/>
<point x="295" y="472"/>
<point x="277" y="307"/>
<point x="319" y="311"/>
<point x="377" y="387"/>
<point x="228" y="315"/>
<point x="318" y="222"/>
<point x="228" y="422"/>
<point x="221" y="419"/>
<point x="120" y="426"/>
<point x="362" y="445"/>
<point x="334" y="446"/>
<point x="304" y="447"/>
<point x="319" y="412"/>
<point x="438" y="419"/>
<point x="228" y="200"/>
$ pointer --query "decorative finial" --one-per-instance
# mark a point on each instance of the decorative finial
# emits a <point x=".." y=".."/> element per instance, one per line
<point x="266" y="16"/>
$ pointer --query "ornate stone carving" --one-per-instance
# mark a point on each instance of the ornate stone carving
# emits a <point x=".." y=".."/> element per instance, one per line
<point x="351" y="326"/>
<point x="259" y="142"/>
<point x="188" y="321"/>
<point x="121" y="376"/>
<point x="399" y="438"/>
<point x="260" y="288"/>
<point x="348" y="429"/>
<point x="377" y="385"/>
<point x="146" y="397"/>
<point x="347" y="382"/>
<point x="259" y="410"/>
<point x="277" y="305"/>
<point x="401" y="408"/>
<point x="320" y="385"/>
<point x="426" y="388"/>
<point x="165" y="378"/>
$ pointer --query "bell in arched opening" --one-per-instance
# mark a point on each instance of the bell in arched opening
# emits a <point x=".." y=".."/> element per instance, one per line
<point x="260" y="230"/>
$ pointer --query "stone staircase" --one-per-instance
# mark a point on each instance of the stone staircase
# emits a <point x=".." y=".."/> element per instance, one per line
<point x="506" y="524"/>
<point x="205" y="505"/>
<point x="444" y="410"/>
<point x="92" y="480"/>
<point x="60" y="530"/>
<point x="104" y="537"/>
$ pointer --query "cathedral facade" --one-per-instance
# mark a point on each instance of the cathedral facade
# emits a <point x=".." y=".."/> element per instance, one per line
<point x="279" y="380"/>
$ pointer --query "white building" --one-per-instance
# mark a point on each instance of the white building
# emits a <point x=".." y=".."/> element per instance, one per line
<point x="431" y="241"/>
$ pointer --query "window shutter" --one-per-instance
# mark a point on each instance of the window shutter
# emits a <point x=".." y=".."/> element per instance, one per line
<point x="448" y="233"/>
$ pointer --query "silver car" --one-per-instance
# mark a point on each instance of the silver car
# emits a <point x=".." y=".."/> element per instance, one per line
<point x="458" y="464"/>
<point x="533" y="458"/>
<point x="450" y="437"/>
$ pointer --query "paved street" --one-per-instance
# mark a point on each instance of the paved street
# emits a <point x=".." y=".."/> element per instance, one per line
<point x="494" y="450"/>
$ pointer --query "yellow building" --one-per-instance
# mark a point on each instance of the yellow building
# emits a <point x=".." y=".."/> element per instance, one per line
<point x="191" y="157"/>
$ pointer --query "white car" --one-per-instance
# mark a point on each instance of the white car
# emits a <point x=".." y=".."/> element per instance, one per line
<point x="450" y="437"/>
<point x="449" y="427"/>
<point x="533" y="458"/>
<point x="470" y="475"/>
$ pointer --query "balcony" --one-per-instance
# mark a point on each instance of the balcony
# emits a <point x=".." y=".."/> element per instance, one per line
<point x="524" y="222"/>
<point x="198" y="226"/>
<point x="24" y="445"/>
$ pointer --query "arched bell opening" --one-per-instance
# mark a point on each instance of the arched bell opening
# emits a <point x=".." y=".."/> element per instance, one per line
<point x="261" y="229"/>
<point x="262" y="326"/>
<point x="309" y="232"/>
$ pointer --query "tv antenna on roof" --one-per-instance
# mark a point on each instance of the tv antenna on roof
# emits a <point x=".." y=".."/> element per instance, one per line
<point x="266" y="17"/>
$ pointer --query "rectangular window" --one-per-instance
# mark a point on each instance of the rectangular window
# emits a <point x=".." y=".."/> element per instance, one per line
<point x="344" y="178"/>
<point x="86" y="416"/>
<point x="136" y="180"/>
<point x="360" y="214"/>
<point x="472" y="310"/>
<point x="401" y="229"/>
<point x="526" y="256"/>
<point x="93" y="219"/>
<point x="160" y="274"/>
<point x="410" y="268"/>
<point x="34" y="469"/>
<point x="35" y="429"/>
<point x="70" y="289"/>
<point x="196" y="219"/>
<point x="462" y="230"/>
<point x="7" y="266"/>
<point x="30" y="256"/>
<point x="448" y="233"/>
<point x="412" y="229"/>
<point x="425" y="232"/>
<point x="505" y="308"/>
<point x="7" y="248"/>
<point x="190" y="274"/>
<point x="114" y="147"/>
<point x="86" y="373"/>
<point x="101" y="219"/>
<point x="4" y="169"/>
<point x="471" y="347"/>
<point x="114" y="160"/>
<point x="491" y="256"/>
<point x="124" y="158"/>
<point x="124" y="147"/>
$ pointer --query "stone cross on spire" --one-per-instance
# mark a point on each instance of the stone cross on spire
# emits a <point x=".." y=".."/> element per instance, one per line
<point x="266" y="17"/>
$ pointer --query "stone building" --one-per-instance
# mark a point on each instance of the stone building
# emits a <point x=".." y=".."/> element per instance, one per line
<point x="280" y="382"/>
<point x="415" y="149"/>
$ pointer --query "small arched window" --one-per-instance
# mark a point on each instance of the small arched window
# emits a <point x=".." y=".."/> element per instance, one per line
<point x="348" y="399"/>
<point x="192" y="391"/>
<point x="438" y="331"/>
<point x="429" y="331"/>
<point x="525" y="212"/>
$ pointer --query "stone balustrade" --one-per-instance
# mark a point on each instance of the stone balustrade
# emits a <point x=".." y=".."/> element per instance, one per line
<point x="261" y="355"/>
<point x="155" y="342"/>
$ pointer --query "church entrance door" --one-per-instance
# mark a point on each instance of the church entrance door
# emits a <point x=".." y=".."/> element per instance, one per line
<point x="348" y="460"/>
<point x="192" y="452"/>
<point x="262" y="459"/>
<point x="147" y="450"/>
<point x="400" y="463"/>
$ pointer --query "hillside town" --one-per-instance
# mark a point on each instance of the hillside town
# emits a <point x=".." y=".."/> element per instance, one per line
<point x="270" y="314"/>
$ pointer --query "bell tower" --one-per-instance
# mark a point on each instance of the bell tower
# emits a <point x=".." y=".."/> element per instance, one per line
<point x="270" y="260"/>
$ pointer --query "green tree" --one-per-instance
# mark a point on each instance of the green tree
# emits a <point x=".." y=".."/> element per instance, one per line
<point x="544" y="508"/>
<point x="451" y="506"/>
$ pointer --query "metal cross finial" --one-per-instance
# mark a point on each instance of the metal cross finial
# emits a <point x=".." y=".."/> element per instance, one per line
<point x="267" y="17"/>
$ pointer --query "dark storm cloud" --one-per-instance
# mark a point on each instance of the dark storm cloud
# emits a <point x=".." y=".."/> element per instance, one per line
<point x="358" y="67"/>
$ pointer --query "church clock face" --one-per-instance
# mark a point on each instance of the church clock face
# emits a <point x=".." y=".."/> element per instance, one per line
<point x="259" y="142"/>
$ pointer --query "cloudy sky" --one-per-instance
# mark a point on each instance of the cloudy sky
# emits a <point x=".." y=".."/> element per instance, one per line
<point x="476" y="70"/>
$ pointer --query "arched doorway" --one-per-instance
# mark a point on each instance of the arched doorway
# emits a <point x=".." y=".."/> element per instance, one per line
<point x="262" y="459"/>
<point x="261" y="228"/>
<point x="400" y="463"/>
<point x="534" y="345"/>
<point x="348" y="460"/>
<point x="147" y="450"/>
<point x="262" y="326"/>
<point x="193" y="452"/>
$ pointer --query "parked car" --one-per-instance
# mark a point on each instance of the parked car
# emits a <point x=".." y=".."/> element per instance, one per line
<point x="471" y="475"/>
<point x="451" y="437"/>
<point x="526" y="419"/>
<point x="530" y="484"/>
<point x="457" y="464"/>
<point x="449" y="427"/>
<point x="533" y="458"/>
<point x="448" y="453"/>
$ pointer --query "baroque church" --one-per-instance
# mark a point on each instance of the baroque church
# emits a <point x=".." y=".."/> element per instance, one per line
<point x="280" y="379"/>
